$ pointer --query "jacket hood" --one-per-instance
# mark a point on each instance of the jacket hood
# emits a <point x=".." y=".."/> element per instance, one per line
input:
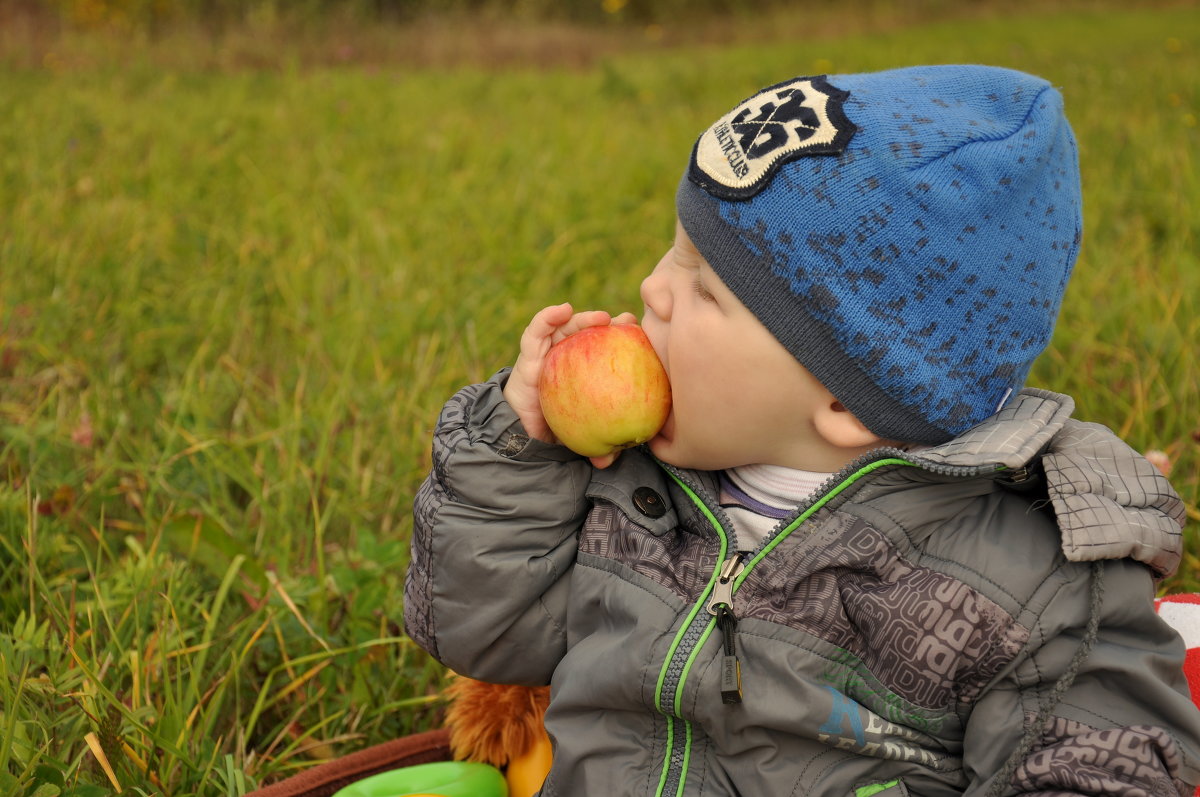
<point x="1110" y="502"/>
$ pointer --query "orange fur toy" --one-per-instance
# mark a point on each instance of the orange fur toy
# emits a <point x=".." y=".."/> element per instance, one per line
<point x="495" y="723"/>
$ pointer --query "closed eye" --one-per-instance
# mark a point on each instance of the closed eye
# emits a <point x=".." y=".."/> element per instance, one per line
<point x="701" y="291"/>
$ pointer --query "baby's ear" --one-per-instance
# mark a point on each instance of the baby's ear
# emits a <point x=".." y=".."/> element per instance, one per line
<point x="842" y="428"/>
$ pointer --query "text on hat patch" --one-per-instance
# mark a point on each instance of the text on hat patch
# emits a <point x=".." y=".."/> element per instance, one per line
<point x="737" y="157"/>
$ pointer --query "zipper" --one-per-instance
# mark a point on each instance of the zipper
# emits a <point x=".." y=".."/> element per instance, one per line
<point x="850" y="473"/>
<point x="688" y="641"/>
<point x="721" y="607"/>
<point x="717" y="599"/>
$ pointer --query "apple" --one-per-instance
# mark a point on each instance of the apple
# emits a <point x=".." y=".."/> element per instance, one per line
<point x="604" y="389"/>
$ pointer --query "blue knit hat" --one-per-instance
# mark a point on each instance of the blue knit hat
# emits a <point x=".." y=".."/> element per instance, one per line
<point x="907" y="235"/>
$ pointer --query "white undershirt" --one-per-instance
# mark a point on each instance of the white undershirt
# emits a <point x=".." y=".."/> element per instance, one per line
<point x="757" y="497"/>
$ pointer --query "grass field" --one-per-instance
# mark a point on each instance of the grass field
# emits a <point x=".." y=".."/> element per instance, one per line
<point x="232" y="302"/>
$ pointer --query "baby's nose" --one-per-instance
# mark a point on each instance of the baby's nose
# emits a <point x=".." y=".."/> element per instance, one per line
<point x="656" y="297"/>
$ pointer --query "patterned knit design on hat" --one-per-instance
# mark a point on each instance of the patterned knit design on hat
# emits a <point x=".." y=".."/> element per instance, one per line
<point x="915" y="259"/>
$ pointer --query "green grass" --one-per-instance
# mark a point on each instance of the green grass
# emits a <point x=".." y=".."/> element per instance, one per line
<point x="232" y="303"/>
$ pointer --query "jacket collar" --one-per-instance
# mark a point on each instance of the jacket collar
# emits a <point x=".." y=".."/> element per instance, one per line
<point x="1109" y="501"/>
<point x="1012" y="438"/>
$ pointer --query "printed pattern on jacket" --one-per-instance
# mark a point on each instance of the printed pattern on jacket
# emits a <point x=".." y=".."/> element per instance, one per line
<point x="905" y="633"/>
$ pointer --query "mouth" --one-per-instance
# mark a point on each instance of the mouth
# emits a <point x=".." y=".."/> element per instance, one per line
<point x="667" y="432"/>
<point x="648" y="325"/>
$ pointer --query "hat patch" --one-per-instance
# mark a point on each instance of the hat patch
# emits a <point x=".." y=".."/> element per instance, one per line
<point x="737" y="157"/>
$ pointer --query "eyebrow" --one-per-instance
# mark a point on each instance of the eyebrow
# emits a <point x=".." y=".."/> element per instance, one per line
<point x="690" y="254"/>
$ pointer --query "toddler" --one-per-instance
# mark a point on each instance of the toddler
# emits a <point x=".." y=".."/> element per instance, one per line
<point x="861" y="558"/>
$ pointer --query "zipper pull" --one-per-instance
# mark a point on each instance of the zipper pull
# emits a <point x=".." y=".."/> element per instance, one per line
<point x="723" y="589"/>
<point x="731" y="668"/>
<point x="721" y="605"/>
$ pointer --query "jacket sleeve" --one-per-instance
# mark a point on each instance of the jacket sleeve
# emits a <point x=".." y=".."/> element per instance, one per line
<point x="494" y="540"/>
<point x="1125" y="725"/>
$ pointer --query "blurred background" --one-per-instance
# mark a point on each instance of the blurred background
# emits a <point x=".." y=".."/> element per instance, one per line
<point x="425" y="33"/>
<point x="248" y="249"/>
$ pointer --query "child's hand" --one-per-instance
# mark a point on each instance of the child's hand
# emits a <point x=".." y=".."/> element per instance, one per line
<point x="547" y="328"/>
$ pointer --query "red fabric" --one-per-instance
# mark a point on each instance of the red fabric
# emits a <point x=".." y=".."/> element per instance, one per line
<point x="1182" y="612"/>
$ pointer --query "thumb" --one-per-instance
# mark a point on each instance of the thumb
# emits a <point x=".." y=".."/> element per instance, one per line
<point x="600" y="463"/>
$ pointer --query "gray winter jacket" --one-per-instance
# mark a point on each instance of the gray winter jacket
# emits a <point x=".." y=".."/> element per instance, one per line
<point x="975" y="618"/>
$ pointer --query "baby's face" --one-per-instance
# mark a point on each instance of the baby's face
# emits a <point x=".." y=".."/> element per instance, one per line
<point x="738" y="396"/>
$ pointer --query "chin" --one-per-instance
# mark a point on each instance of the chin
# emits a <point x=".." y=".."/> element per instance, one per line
<point x="663" y="448"/>
<point x="680" y="457"/>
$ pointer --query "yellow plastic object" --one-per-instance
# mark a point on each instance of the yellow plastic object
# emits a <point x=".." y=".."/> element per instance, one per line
<point x="526" y="773"/>
<point x="439" y="779"/>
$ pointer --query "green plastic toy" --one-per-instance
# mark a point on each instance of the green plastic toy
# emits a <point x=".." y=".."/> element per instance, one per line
<point x="439" y="779"/>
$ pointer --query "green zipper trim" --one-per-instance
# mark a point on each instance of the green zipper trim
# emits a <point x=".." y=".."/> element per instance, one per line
<point x="687" y="667"/>
<point x="825" y="499"/>
<point x="703" y="595"/>
<point x="687" y="760"/>
<point x="675" y="643"/>
<point x="662" y="779"/>
<point x="874" y="788"/>
<point x="676" y="703"/>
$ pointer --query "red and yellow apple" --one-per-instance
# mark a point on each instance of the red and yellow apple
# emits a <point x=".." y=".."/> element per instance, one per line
<point x="603" y="389"/>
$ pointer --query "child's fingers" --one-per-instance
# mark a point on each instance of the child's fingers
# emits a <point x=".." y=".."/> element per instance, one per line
<point x="603" y="462"/>
<point x="625" y="318"/>
<point x="543" y="324"/>
<point x="537" y="337"/>
<point x="547" y="327"/>
<point x="557" y="322"/>
<point x="580" y="321"/>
